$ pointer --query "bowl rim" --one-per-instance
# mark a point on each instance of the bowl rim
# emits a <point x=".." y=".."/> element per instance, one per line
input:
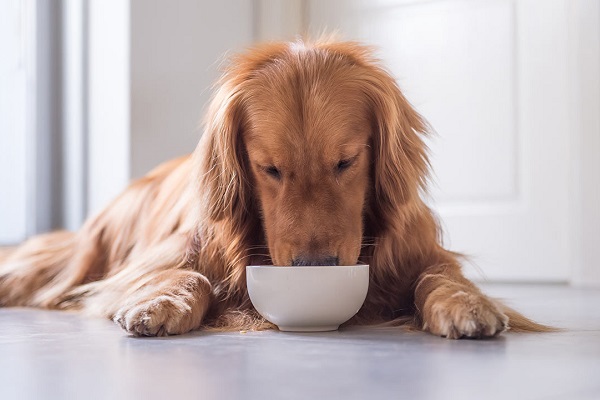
<point x="289" y="267"/>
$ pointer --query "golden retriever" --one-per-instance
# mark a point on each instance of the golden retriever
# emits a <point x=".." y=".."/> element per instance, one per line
<point x="311" y="155"/>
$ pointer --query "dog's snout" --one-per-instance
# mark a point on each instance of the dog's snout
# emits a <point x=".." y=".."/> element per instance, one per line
<point x="304" y="261"/>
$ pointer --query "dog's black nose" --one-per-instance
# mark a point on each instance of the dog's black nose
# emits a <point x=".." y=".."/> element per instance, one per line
<point x="305" y="261"/>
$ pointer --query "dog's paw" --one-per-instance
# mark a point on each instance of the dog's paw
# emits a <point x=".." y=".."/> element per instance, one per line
<point x="463" y="315"/>
<point x="162" y="316"/>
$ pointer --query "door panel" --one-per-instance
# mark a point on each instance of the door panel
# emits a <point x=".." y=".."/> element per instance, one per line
<point x="491" y="78"/>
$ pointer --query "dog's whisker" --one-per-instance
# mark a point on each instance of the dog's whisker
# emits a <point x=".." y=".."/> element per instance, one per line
<point x="240" y="259"/>
<point x="258" y="247"/>
<point x="369" y="244"/>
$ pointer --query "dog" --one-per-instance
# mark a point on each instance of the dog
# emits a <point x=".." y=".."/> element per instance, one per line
<point x="311" y="155"/>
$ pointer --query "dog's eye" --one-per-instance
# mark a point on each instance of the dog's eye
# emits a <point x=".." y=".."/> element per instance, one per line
<point x="273" y="172"/>
<point x="344" y="164"/>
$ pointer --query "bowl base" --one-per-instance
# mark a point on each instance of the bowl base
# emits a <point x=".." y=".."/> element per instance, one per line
<point x="321" y="328"/>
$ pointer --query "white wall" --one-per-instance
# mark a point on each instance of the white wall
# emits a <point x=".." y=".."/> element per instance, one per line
<point x="109" y="121"/>
<point x="280" y="20"/>
<point x="151" y="67"/>
<point x="176" y="47"/>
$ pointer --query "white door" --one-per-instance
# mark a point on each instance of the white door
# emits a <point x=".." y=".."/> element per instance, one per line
<point x="491" y="78"/>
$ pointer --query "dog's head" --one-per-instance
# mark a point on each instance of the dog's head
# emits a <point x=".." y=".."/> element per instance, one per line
<point x="318" y="141"/>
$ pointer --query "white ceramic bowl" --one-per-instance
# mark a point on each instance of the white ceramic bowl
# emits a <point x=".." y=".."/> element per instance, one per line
<point x="307" y="299"/>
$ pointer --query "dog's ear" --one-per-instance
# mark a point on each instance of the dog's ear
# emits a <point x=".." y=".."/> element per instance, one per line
<point x="221" y="158"/>
<point x="400" y="161"/>
<point x="224" y="181"/>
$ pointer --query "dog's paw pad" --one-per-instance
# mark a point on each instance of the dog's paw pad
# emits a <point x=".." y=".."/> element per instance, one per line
<point x="465" y="315"/>
<point x="157" y="317"/>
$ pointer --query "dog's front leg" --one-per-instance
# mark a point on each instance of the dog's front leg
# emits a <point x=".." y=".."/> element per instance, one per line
<point x="450" y="305"/>
<point x="171" y="302"/>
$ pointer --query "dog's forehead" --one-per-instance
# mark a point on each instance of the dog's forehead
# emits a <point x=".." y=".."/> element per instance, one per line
<point x="326" y="133"/>
<point x="298" y="112"/>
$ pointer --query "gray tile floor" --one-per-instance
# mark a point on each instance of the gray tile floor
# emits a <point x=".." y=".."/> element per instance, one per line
<point x="55" y="355"/>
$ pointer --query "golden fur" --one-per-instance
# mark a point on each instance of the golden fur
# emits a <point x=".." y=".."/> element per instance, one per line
<point x="311" y="154"/>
